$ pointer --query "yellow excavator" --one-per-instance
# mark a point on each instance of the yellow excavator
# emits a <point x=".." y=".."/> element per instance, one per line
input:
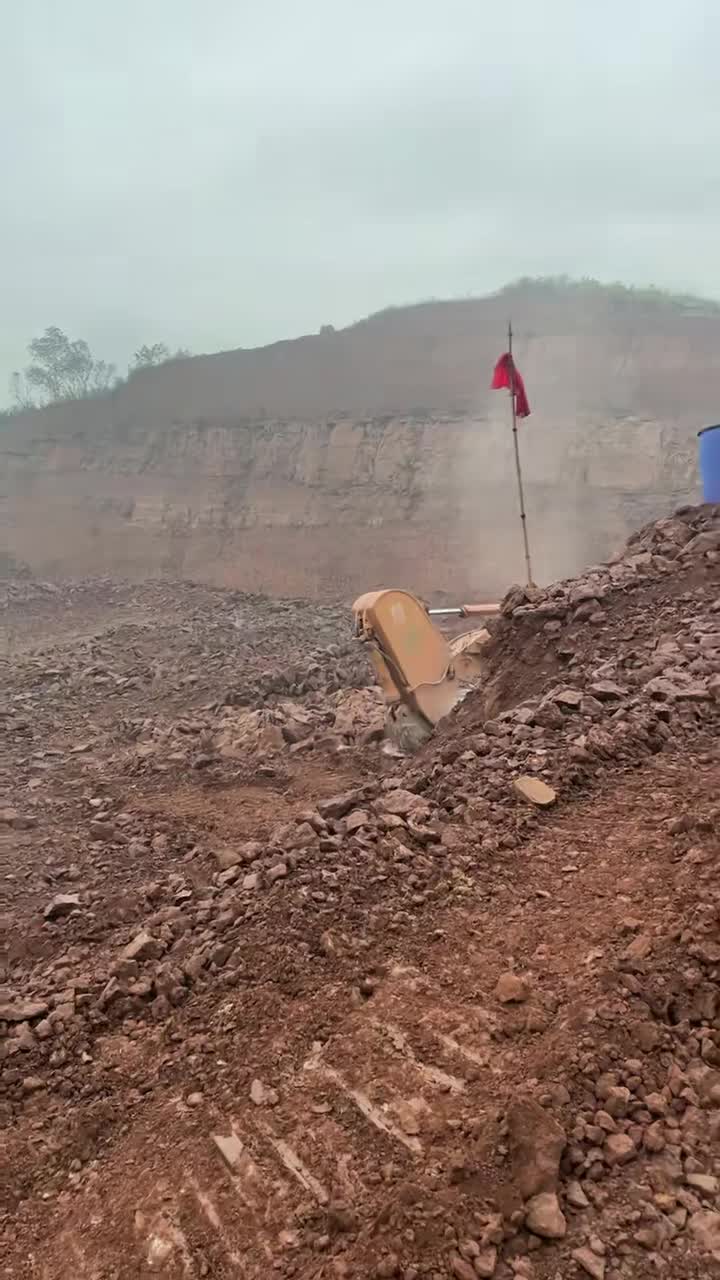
<point x="422" y="674"/>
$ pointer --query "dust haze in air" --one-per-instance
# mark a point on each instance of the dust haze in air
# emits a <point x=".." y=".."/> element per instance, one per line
<point x="226" y="174"/>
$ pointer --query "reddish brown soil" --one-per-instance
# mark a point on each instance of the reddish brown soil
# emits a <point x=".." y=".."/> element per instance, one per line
<point x="344" y="1024"/>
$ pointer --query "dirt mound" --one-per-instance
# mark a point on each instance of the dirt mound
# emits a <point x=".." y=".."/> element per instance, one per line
<point x="274" y="1004"/>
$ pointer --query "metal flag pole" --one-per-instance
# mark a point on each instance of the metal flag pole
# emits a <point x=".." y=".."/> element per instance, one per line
<point x="518" y="468"/>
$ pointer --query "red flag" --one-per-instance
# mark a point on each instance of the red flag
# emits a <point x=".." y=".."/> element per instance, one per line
<point x="507" y="375"/>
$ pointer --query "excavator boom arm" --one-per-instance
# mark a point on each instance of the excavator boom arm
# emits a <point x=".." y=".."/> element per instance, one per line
<point x="416" y="665"/>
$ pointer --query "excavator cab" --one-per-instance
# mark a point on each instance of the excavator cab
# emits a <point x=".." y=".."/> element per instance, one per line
<point x="422" y="675"/>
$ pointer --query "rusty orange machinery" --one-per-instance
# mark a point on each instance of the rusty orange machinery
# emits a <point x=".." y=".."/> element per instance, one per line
<point x="415" y="664"/>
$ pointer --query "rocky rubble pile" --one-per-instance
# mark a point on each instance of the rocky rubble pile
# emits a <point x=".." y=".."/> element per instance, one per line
<point x="619" y="1170"/>
<point x="228" y="676"/>
<point x="666" y="546"/>
<point x="244" y="648"/>
<point x="457" y="803"/>
<point x="613" y="1165"/>
<point x="611" y="1171"/>
<point x="232" y="735"/>
<point x="546" y="631"/>
<point x="635" y="1165"/>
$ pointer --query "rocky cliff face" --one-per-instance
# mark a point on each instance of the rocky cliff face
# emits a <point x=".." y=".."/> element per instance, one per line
<point x="373" y="456"/>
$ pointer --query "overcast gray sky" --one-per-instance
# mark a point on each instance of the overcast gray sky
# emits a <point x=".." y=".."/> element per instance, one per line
<point x="220" y="173"/>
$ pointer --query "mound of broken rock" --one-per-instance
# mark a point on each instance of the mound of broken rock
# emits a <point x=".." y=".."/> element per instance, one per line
<point x="586" y="1140"/>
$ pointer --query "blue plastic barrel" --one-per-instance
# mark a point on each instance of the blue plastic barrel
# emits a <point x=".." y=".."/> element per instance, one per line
<point x="710" y="462"/>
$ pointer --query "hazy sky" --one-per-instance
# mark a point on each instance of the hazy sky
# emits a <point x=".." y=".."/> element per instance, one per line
<point x="219" y="173"/>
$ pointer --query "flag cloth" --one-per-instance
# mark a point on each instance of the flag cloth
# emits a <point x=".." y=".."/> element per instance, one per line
<point x="507" y="375"/>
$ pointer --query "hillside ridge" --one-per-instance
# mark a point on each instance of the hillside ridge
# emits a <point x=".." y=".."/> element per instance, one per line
<point x="328" y="463"/>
